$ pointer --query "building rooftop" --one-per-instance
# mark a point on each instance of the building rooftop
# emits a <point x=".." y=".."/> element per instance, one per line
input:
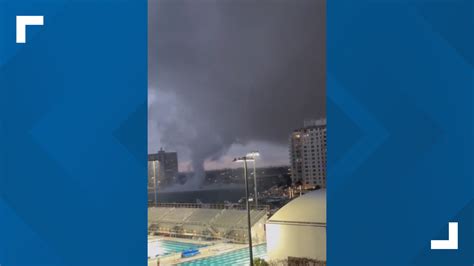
<point x="309" y="208"/>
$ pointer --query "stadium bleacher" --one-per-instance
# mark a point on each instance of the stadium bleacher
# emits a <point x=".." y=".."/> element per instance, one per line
<point x="229" y="218"/>
<point x="202" y="216"/>
<point x="177" y="215"/>
<point x="158" y="213"/>
<point x="202" y="222"/>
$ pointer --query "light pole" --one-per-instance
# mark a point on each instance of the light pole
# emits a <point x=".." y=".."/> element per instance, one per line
<point x="254" y="156"/>
<point x="154" y="183"/>
<point x="244" y="159"/>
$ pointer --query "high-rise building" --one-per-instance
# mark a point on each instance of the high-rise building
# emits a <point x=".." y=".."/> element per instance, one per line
<point x="155" y="173"/>
<point x="162" y="168"/>
<point x="308" y="154"/>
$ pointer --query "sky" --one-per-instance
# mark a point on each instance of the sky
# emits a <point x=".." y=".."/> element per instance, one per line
<point x="231" y="76"/>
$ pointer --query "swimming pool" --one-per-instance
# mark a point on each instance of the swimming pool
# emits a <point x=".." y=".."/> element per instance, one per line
<point x="164" y="247"/>
<point x="238" y="257"/>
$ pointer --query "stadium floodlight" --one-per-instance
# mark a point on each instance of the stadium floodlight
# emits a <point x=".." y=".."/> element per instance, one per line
<point x="244" y="160"/>
<point x="254" y="155"/>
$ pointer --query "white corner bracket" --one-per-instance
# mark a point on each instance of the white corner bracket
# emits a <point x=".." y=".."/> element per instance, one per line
<point x="451" y="243"/>
<point x="22" y="22"/>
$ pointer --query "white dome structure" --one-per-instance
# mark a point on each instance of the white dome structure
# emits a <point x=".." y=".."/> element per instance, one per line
<point x="299" y="229"/>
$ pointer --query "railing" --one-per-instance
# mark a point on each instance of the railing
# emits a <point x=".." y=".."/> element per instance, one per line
<point x="233" y="235"/>
<point x="207" y="206"/>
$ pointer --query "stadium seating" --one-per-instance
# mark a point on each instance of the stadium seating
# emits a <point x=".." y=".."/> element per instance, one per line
<point x="229" y="218"/>
<point x="177" y="215"/>
<point x="156" y="214"/>
<point x="203" y="222"/>
<point x="202" y="216"/>
<point x="254" y="217"/>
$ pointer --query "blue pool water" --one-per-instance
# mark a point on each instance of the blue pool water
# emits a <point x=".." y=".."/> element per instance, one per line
<point x="238" y="257"/>
<point x="164" y="247"/>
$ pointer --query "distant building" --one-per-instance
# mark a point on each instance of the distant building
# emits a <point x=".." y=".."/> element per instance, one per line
<point x="162" y="168"/>
<point x="154" y="173"/>
<point x="308" y="154"/>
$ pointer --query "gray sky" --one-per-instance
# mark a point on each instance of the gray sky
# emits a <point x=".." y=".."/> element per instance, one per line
<point x="229" y="76"/>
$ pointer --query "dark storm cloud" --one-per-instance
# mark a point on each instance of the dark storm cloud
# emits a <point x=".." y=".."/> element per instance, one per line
<point x="226" y="72"/>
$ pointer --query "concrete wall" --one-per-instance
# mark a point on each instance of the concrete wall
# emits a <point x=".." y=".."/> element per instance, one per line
<point x="295" y="240"/>
<point x="258" y="231"/>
